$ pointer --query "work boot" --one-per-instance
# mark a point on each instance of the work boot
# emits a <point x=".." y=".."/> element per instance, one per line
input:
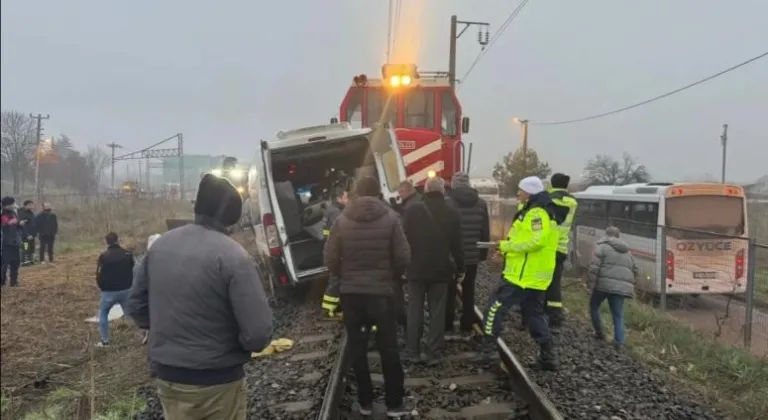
<point x="547" y="359"/>
<point x="487" y="351"/>
<point x="405" y="408"/>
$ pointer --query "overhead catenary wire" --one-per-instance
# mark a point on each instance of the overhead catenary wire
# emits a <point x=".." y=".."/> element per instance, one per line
<point x="655" y="98"/>
<point x="512" y="16"/>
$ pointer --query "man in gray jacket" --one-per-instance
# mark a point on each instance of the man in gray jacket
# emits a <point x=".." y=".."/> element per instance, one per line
<point x="201" y="298"/>
<point x="612" y="273"/>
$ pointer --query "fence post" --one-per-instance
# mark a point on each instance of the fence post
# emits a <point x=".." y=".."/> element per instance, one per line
<point x="751" y="277"/>
<point x="662" y="258"/>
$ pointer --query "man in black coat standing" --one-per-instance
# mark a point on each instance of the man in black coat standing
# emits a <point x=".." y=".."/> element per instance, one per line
<point x="475" y="228"/>
<point x="433" y="230"/>
<point x="47" y="227"/>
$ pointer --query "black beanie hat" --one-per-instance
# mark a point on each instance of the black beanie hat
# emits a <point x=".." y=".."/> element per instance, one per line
<point x="8" y="200"/>
<point x="559" y="180"/>
<point x="218" y="199"/>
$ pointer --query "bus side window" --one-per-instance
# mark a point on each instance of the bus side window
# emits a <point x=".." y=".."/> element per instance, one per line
<point x="619" y="215"/>
<point x="645" y="217"/>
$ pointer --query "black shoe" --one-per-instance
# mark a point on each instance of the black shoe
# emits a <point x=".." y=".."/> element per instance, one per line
<point x="410" y="357"/>
<point x="433" y="360"/>
<point x="404" y="409"/>
<point x="365" y="409"/>
<point x="547" y="360"/>
<point x="599" y="337"/>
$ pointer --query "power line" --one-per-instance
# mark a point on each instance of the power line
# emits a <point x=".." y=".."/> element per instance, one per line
<point x="503" y="28"/>
<point x="656" y="98"/>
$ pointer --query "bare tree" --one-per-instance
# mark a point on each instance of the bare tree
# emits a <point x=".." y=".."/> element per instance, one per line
<point x="605" y="170"/>
<point x="96" y="161"/>
<point x="18" y="144"/>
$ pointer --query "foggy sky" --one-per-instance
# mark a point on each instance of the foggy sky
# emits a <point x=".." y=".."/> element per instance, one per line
<point x="229" y="74"/>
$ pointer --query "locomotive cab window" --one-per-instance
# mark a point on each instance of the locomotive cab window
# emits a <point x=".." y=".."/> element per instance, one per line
<point x="419" y="109"/>
<point x="449" y="114"/>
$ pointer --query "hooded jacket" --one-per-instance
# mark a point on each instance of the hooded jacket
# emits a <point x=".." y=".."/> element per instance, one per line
<point x="47" y="224"/>
<point x="475" y="228"/>
<point x="28" y="216"/>
<point x="433" y="229"/>
<point x="412" y="200"/>
<point x="205" y="297"/>
<point x="613" y="269"/>
<point x="366" y="248"/>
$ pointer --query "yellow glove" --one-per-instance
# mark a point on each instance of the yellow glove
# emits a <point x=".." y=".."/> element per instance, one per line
<point x="276" y="346"/>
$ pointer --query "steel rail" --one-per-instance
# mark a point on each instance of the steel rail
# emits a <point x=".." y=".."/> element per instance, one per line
<point x="335" y="388"/>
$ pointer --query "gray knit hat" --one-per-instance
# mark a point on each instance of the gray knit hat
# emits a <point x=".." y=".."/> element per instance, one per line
<point x="460" y="179"/>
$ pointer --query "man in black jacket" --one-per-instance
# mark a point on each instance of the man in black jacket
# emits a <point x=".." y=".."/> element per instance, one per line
<point x="364" y="252"/>
<point x="27" y="214"/>
<point x="114" y="276"/>
<point x="475" y="228"/>
<point x="12" y="233"/>
<point x="433" y="229"/>
<point x="409" y="197"/>
<point x="46" y="227"/>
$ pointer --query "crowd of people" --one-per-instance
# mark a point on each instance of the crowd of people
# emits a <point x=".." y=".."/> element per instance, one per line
<point x="206" y="312"/>
<point x="21" y="229"/>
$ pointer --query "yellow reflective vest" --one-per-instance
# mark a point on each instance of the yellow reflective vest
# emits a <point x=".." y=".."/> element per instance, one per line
<point x="529" y="250"/>
<point x="563" y="199"/>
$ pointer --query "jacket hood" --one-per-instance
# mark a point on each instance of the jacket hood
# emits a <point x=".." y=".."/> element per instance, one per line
<point x="617" y="244"/>
<point x="366" y="209"/>
<point x="219" y="200"/>
<point x="465" y="196"/>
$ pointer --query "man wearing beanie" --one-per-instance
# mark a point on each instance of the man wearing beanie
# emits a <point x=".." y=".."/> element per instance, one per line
<point x="208" y="310"/>
<point x="565" y="211"/>
<point x="475" y="228"/>
<point x="529" y="262"/>
<point x="365" y="251"/>
<point x="12" y="234"/>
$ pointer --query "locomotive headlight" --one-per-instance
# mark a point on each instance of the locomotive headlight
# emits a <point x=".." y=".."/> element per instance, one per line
<point x="431" y="173"/>
<point x="236" y="174"/>
<point x="217" y="172"/>
<point x="405" y="80"/>
<point x="394" y="81"/>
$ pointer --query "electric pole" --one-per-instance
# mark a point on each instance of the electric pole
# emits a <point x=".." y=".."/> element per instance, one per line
<point x="113" y="146"/>
<point x="724" y="143"/>
<point x="482" y="39"/>
<point x="39" y="134"/>
<point x="524" y="123"/>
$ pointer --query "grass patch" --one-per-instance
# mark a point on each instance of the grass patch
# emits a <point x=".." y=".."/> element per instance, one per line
<point x="729" y="377"/>
<point x="65" y="403"/>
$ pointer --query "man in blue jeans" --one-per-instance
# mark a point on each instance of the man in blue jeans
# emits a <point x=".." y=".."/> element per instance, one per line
<point x="114" y="276"/>
<point x="612" y="273"/>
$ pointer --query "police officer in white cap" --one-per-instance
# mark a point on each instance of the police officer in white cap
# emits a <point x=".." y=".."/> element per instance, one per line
<point x="529" y="261"/>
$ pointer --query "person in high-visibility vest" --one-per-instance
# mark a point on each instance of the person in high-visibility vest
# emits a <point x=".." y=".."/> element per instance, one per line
<point x="528" y="266"/>
<point x="331" y="297"/>
<point x="566" y="210"/>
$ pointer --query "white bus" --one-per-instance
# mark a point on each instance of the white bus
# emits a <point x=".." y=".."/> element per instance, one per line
<point x="706" y="239"/>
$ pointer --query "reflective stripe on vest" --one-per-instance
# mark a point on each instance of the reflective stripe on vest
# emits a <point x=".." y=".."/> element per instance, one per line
<point x="562" y="198"/>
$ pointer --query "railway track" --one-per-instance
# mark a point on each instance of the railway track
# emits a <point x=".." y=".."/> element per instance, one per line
<point x="454" y="389"/>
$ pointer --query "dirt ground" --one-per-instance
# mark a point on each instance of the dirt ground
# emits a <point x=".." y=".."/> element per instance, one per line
<point x="47" y="346"/>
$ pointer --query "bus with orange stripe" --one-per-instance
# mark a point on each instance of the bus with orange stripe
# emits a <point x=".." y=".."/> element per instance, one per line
<point x="704" y="228"/>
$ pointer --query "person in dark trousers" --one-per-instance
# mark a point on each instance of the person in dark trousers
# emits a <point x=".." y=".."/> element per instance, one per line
<point x="566" y="210"/>
<point x="331" y="297"/>
<point x="201" y="297"/>
<point x="27" y="214"/>
<point x="364" y="252"/>
<point x="47" y="227"/>
<point x="408" y="196"/>
<point x="475" y="227"/>
<point x="12" y="234"/>
<point x="114" y="276"/>
<point x="433" y="229"/>
<point x="529" y="261"/>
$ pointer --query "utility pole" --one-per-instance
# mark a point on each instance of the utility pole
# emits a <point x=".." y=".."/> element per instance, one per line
<point x="113" y="146"/>
<point x="482" y="39"/>
<point x="39" y="134"/>
<point x="524" y="123"/>
<point x="724" y="143"/>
